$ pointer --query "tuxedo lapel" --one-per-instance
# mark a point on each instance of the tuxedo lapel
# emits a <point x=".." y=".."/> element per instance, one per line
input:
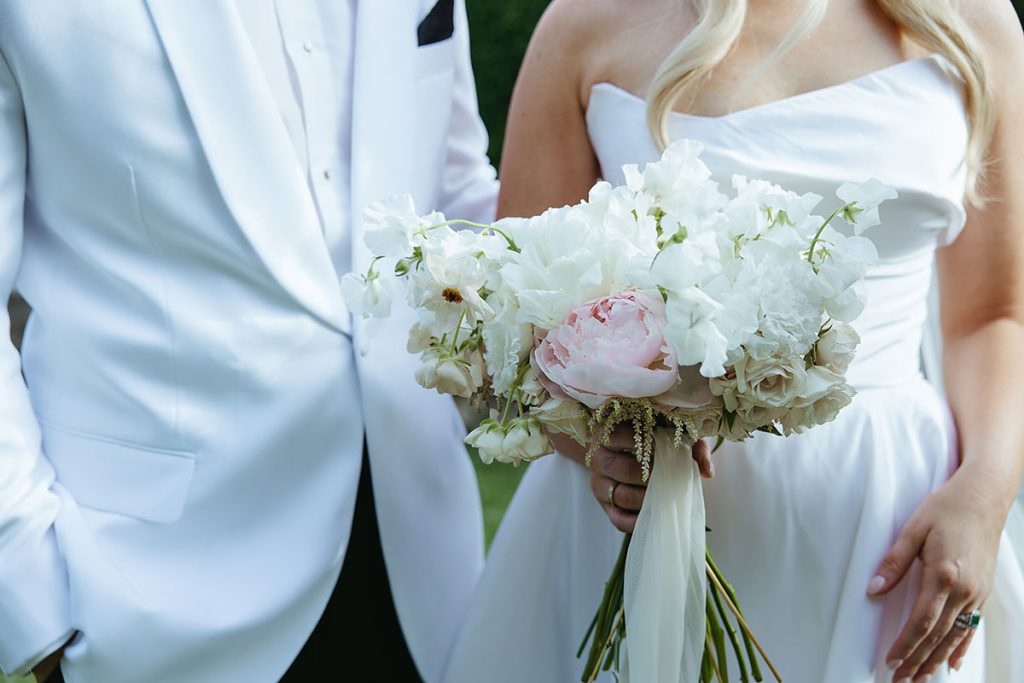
<point x="248" y="147"/>
<point x="383" y="113"/>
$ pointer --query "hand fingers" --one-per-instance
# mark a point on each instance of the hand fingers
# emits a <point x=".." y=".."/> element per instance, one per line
<point x="622" y="496"/>
<point x="932" y="644"/>
<point x="896" y="564"/>
<point x="622" y="438"/>
<point x="623" y="519"/>
<point x="927" y="611"/>
<point x="702" y="455"/>
<point x="618" y="466"/>
<point x="944" y="652"/>
<point x="956" y="660"/>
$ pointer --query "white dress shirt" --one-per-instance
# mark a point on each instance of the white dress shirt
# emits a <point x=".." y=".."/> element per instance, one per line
<point x="305" y="49"/>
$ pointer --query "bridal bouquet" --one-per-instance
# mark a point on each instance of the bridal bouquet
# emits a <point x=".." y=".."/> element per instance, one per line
<point x="665" y="304"/>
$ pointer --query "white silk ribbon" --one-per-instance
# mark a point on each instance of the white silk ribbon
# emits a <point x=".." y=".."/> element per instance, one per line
<point x="665" y="581"/>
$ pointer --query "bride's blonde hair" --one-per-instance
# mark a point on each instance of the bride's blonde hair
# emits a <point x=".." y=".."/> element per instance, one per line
<point x="934" y="24"/>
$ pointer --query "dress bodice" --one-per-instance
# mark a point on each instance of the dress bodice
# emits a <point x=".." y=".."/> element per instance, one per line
<point x="904" y="125"/>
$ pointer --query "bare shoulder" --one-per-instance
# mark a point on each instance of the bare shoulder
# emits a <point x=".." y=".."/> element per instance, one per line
<point x="595" y="39"/>
<point x="998" y="29"/>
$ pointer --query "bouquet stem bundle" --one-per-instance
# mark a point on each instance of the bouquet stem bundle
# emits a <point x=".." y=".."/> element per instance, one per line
<point x="725" y="621"/>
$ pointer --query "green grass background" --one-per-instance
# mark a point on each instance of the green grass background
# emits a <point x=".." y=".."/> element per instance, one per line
<point x="501" y="30"/>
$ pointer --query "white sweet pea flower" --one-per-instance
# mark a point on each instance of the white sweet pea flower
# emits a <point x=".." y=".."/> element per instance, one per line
<point x="392" y="228"/>
<point x="368" y="296"/>
<point x="864" y="199"/>
<point x="421" y="338"/>
<point x="692" y="331"/>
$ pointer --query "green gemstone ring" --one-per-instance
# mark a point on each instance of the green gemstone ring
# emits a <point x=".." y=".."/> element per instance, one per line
<point x="968" y="621"/>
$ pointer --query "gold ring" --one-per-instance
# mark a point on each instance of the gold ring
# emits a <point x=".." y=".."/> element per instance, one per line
<point x="611" y="494"/>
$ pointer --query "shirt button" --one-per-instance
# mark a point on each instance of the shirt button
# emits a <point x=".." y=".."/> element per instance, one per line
<point x="327" y="174"/>
<point x="307" y="46"/>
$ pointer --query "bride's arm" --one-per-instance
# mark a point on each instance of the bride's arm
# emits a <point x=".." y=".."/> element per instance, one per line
<point x="956" y="531"/>
<point x="547" y="159"/>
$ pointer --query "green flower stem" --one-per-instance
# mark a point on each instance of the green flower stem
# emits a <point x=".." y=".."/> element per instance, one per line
<point x="817" y="236"/>
<point x="513" y="394"/>
<point x="716" y="599"/>
<point x="604" y="629"/>
<point x="458" y="329"/>
<point x="717" y="636"/>
<point x="489" y="228"/>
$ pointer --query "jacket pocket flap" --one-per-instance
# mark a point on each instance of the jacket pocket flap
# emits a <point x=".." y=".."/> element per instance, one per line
<point x="150" y="484"/>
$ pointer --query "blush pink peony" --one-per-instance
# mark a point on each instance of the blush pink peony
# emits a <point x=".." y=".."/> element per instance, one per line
<point x="612" y="347"/>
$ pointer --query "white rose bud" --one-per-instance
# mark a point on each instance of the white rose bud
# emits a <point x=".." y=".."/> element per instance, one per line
<point x="836" y="348"/>
<point x="771" y="383"/>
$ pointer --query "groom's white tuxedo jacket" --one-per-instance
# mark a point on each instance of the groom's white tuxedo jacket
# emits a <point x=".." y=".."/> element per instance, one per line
<point x="178" y="478"/>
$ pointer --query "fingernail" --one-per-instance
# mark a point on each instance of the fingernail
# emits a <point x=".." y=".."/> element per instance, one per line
<point x="894" y="664"/>
<point x="905" y="680"/>
<point x="876" y="585"/>
<point x="958" y="663"/>
<point x="925" y="678"/>
<point x="711" y="468"/>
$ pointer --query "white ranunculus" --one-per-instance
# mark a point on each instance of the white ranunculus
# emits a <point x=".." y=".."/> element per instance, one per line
<point x="368" y="297"/>
<point x="563" y="417"/>
<point x="836" y="348"/>
<point x="525" y="441"/>
<point x="865" y="198"/>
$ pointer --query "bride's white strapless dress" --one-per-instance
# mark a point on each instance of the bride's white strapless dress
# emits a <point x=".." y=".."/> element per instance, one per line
<point x="798" y="524"/>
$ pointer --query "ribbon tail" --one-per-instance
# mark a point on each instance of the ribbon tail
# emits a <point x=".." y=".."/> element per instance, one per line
<point x="665" y="581"/>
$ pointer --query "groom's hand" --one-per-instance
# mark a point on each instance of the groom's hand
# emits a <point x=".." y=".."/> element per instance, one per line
<point x="616" y="478"/>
